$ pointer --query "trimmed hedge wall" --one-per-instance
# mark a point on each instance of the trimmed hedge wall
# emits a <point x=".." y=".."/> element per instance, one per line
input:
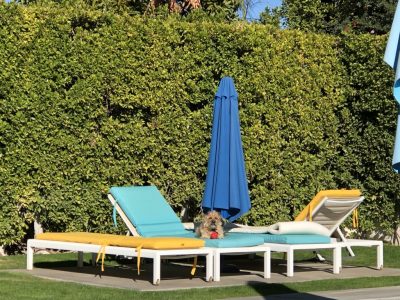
<point x="91" y="99"/>
<point x="368" y="122"/>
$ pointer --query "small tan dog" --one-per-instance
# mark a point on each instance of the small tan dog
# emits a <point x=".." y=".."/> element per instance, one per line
<point x="211" y="226"/>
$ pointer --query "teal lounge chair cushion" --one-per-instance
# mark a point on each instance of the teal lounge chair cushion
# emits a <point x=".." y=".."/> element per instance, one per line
<point x="235" y="241"/>
<point x="290" y="238"/>
<point x="148" y="211"/>
<point x="296" y="238"/>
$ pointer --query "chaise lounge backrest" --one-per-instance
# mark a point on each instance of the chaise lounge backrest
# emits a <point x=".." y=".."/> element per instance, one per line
<point x="331" y="207"/>
<point x="148" y="211"/>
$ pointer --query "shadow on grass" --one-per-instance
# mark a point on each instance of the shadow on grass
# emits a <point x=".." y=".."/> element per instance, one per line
<point x="276" y="291"/>
<point x="57" y="264"/>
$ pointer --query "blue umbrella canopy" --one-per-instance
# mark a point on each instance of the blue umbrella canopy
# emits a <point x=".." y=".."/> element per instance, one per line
<point x="226" y="184"/>
<point x="392" y="59"/>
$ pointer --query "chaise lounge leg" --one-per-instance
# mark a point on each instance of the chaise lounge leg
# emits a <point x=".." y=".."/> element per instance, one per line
<point x="290" y="263"/>
<point x="379" y="256"/>
<point x="209" y="267"/>
<point x="156" y="269"/>
<point x="29" y="257"/>
<point x="337" y="259"/>
<point x="80" y="259"/>
<point x="267" y="264"/>
<point x="217" y="266"/>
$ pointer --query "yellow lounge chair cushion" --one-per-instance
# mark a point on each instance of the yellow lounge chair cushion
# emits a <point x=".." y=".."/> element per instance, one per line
<point x="307" y="211"/>
<point x="123" y="241"/>
<point x="138" y="243"/>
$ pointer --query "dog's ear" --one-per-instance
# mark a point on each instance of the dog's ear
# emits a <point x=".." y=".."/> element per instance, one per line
<point x="223" y="221"/>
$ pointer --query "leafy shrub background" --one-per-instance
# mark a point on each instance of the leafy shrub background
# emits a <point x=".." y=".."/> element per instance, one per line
<point x="90" y="99"/>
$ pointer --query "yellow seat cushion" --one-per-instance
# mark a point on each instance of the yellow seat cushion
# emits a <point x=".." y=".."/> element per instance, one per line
<point x="158" y="243"/>
<point x="326" y="194"/>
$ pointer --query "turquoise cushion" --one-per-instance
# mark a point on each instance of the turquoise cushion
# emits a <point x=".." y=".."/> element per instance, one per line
<point x="235" y="241"/>
<point x="148" y="211"/>
<point x="291" y="238"/>
<point x="296" y="238"/>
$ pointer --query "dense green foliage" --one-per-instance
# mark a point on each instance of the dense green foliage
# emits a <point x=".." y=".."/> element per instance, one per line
<point x="368" y="118"/>
<point x="91" y="99"/>
<point x="335" y="16"/>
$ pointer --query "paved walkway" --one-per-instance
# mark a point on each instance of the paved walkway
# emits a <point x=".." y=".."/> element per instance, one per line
<point x="177" y="275"/>
<point x="384" y="293"/>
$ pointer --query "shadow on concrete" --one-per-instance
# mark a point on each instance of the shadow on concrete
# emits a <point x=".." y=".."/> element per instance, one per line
<point x="127" y="269"/>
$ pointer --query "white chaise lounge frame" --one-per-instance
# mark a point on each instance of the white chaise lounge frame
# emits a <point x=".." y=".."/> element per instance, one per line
<point x="337" y="203"/>
<point x="289" y="249"/>
<point x="155" y="255"/>
<point x="264" y="249"/>
<point x="331" y="203"/>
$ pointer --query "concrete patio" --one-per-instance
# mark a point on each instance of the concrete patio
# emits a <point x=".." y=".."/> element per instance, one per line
<point x="176" y="275"/>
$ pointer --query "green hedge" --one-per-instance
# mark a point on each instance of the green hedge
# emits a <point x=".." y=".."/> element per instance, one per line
<point x="91" y="99"/>
<point x="368" y="122"/>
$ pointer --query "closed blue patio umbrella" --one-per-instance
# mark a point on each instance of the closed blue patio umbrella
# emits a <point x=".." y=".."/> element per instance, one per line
<point x="392" y="58"/>
<point x="226" y="187"/>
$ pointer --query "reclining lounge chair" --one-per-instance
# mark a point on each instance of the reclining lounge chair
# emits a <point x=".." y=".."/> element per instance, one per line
<point x="146" y="213"/>
<point x="327" y="211"/>
<point x="153" y="248"/>
<point x="331" y="208"/>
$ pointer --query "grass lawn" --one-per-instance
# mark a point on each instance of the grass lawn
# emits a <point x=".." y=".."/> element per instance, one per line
<point x="24" y="286"/>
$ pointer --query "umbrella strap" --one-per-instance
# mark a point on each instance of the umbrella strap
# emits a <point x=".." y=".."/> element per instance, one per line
<point x="355" y="218"/>
<point x="102" y="254"/>
<point x="193" y="271"/>
<point x="138" y="251"/>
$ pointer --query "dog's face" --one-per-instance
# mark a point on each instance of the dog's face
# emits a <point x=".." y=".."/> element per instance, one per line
<point x="211" y="227"/>
<point x="212" y="220"/>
